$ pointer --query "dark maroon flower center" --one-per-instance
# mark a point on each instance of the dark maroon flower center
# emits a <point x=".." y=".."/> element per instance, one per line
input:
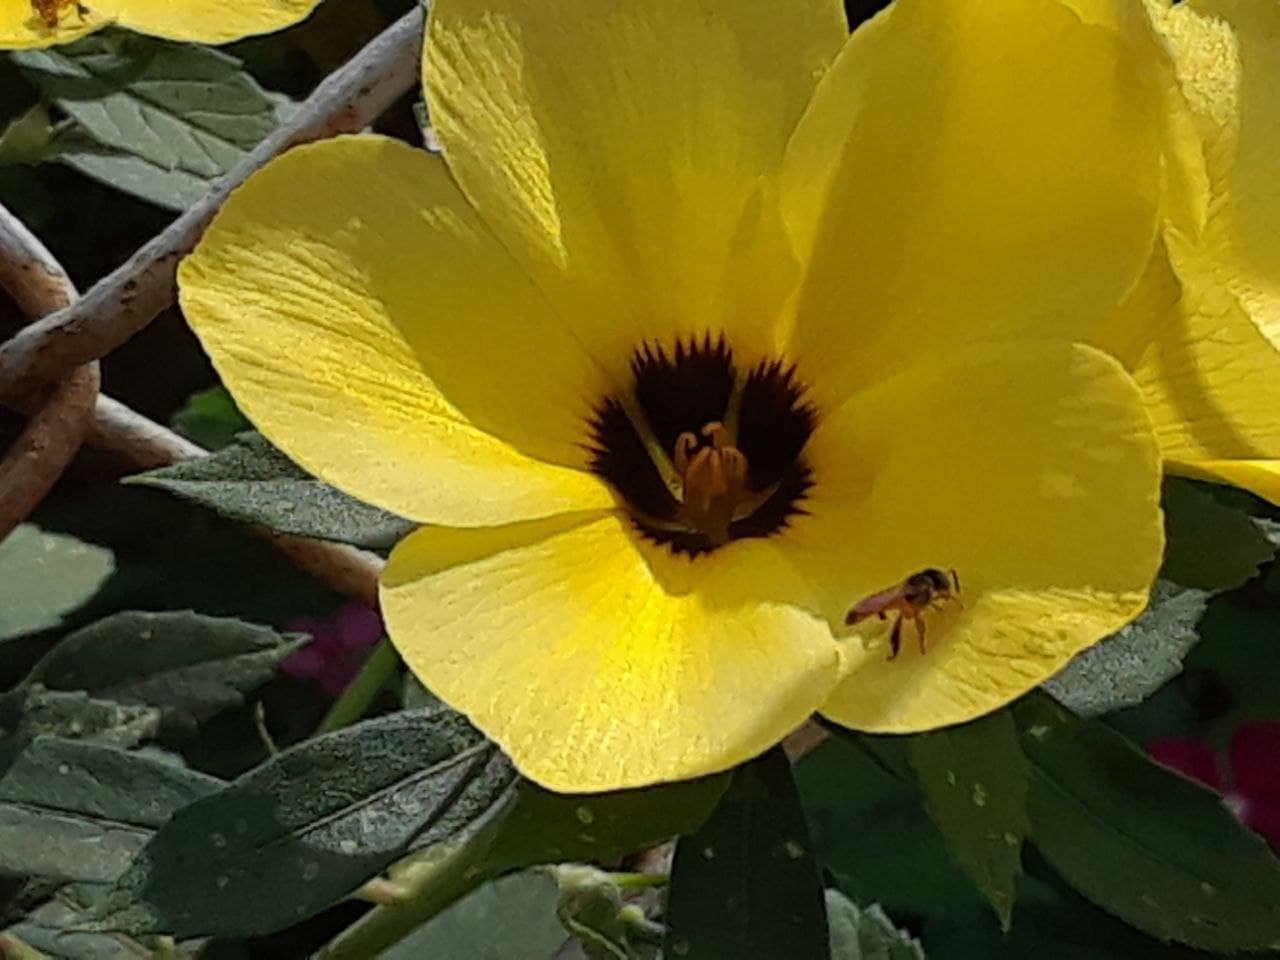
<point x="700" y="453"/>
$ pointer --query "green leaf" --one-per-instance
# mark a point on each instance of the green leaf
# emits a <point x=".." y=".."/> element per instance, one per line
<point x="253" y="482"/>
<point x="1143" y="842"/>
<point x="162" y="121"/>
<point x="1129" y="666"/>
<point x="55" y="927"/>
<point x="974" y="780"/>
<point x="188" y="665"/>
<point x="232" y="573"/>
<point x="80" y="811"/>
<point x="32" y="711"/>
<point x="511" y="918"/>
<point x="1210" y="546"/>
<point x="535" y="827"/>
<point x="745" y="885"/>
<point x="871" y="831"/>
<point x="19" y="896"/>
<point x="27" y="139"/>
<point x="545" y="827"/>
<point x="306" y="828"/>
<point x="44" y="576"/>
<point x="859" y="933"/>
<point x="211" y="419"/>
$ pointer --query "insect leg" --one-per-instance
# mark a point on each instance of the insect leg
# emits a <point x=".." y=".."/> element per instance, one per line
<point x="918" y="620"/>
<point x="895" y="638"/>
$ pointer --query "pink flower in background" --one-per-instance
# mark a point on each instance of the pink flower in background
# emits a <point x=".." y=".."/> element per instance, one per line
<point x="1248" y="776"/>
<point x="340" y="644"/>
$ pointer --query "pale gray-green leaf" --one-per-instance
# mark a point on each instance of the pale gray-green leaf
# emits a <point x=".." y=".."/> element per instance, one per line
<point x="55" y="928"/>
<point x="172" y="189"/>
<point x="185" y="114"/>
<point x="32" y="711"/>
<point x="866" y="933"/>
<point x="44" y="576"/>
<point x="310" y="825"/>
<point x="81" y="811"/>
<point x="188" y="665"/>
<point x="1129" y="666"/>
<point x="252" y="482"/>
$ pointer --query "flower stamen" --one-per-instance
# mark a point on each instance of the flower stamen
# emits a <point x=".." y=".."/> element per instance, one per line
<point x="700" y="453"/>
<point x="713" y="481"/>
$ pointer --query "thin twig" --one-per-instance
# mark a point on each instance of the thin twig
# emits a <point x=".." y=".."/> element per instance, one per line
<point x="127" y="300"/>
<point x="804" y="740"/>
<point x="29" y="272"/>
<point x="34" y="462"/>
<point x="38" y="282"/>
<point x="58" y="419"/>
<point x="144" y="443"/>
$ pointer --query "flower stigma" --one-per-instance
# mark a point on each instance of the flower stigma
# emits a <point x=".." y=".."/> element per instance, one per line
<point x="701" y="455"/>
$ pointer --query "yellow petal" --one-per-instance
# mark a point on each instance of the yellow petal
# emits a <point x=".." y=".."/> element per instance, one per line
<point x="204" y="21"/>
<point x="1030" y="470"/>
<point x="620" y="149"/>
<point x="998" y="178"/>
<point x="1228" y="55"/>
<point x="1210" y="379"/>
<point x="22" y="27"/>
<point x="597" y="663"/>
<point x="307" y="292"/>
<point x="1257" y="476"/>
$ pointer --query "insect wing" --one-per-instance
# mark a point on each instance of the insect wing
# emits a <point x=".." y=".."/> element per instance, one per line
<point x="876" y="603"/>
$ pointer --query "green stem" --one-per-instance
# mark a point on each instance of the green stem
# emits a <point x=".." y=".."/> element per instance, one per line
<point x="430" y="882"/>
<point x="356" y="700"/>
<point x="638" y="881"/>
<point x="11" y="948"/>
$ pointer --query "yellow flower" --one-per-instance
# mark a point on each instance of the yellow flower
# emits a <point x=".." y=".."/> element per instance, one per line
<point x="698" y="336"/>
<point x="26" y="24"/>
<point x="1208" y="314"/>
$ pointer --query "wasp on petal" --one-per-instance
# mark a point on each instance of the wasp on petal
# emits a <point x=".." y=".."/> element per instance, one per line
<point x="909" y="600"/>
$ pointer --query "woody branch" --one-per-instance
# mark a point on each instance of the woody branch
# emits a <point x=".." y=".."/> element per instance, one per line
<point x="48" y="369"/>
<point x="125" y="301"/>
